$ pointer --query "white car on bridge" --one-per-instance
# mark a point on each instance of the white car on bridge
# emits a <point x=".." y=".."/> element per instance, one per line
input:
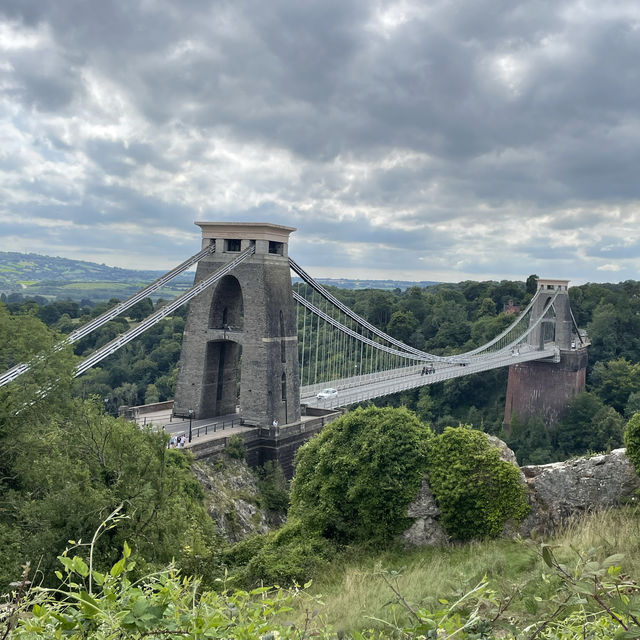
<point x="327" y="393"/>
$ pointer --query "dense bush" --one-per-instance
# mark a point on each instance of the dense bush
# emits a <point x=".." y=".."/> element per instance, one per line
<point x="273" y="486"/>
<point x="91" y="604"/>
<point x="290" y="555"/>
<point x="236" y="449"/>
<point x="476" y="491"/>
<point x="353" y="481"/>
<point x="65" y="465"/>
<point x="632" y="441"/>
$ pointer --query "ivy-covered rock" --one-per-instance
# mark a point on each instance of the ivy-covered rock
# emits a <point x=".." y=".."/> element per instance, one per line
<point x="632" y="441"/>
<point x="233" y="499"/>
<point x="353" y="481"/>
<point x="477" y="492"/>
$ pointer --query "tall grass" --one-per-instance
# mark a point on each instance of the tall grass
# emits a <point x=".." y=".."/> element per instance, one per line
<point x="355" y="594"/>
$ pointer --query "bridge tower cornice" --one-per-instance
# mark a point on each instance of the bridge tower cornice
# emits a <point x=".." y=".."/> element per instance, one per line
<point x="268" y="238"/>
<point x="550" y="284"/>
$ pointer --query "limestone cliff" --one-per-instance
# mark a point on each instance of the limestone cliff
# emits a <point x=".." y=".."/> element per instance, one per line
<point x="233" y="499"/>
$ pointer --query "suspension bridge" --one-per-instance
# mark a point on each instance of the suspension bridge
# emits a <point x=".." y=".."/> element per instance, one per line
<point x="255" y="341"/>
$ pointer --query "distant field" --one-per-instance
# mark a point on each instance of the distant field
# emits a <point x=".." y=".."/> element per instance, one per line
<point x="51" y="278"/>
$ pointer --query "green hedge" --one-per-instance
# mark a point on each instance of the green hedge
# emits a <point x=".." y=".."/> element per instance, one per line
<point x="353" y="481"/>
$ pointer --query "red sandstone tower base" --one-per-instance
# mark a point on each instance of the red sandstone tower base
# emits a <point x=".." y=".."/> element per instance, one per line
<point x="544" y="389"/>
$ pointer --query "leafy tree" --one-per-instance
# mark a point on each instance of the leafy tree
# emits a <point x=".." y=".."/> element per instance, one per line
<point x="633" y="404"/>
<point x="64" y="465"/>
<point x="141" y="310"/>
<point x="424" y="405"/>
<point x="615" y="381"/>
<point x="531" y="441"/>
<point x="402" y="326"/>
<point x="380" y="307"/>
<point x="353" y="481"/>
<point x="608" y="430"/>
<point x="273" y="486"/>
<point x="151" y="395"/>
<point x="487" y="308"/>
<point x="576" y="429"/>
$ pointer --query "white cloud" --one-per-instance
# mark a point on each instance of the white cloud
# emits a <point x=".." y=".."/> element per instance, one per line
<point x="609" y="267"/>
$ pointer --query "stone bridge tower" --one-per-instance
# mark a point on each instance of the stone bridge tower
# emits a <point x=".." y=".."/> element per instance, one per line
<point x="240" y="340"/>
<point x="544" y="388"/>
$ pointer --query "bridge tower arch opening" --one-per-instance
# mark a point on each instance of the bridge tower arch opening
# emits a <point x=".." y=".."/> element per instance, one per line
<point x="221" y="378"/>
<point x="247" y="319"/>
<point x="227" y="305"/>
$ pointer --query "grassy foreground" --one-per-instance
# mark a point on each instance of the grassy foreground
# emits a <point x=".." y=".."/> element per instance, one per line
<point x="572" y="590"/>
<point x="356" y="593"/>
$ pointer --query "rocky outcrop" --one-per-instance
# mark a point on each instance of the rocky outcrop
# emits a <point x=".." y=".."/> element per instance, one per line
<point x="505" y="452"/>
<point x="562" y="490"/>
<point x="557" y="492"/>
<point x="233" y="499"/>
<point x="425" y="530"/>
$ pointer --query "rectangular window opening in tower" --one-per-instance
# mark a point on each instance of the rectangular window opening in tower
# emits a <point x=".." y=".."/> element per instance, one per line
<point x="233" y="244"/>
<point x="275" y="247"/>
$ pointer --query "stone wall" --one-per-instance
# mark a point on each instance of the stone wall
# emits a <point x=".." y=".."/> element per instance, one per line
<point x="271" y="443"/>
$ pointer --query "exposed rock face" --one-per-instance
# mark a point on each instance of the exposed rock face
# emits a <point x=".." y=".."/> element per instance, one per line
<point x="232" y="499"/>
<point x="561" y="490"/>
<point x="426" y="529"/>
<point x="505" y="452"/>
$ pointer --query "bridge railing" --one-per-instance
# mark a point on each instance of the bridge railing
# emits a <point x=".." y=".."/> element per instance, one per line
<point x="359" y="380"/>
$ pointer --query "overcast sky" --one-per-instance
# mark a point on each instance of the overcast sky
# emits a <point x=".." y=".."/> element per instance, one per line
<point x="433" y="140"/>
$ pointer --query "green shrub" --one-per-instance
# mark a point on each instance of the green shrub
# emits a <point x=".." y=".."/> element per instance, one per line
<point x="236" y="448"/>
<point x="164" y="604"/>
<point x="241" y="552"/>
<point x="353" y="481"/>
<point x="273" y="487"/>
<point x="632" y="441"/>
<point x="476" y="491"/>
<point x="290" y="555"/>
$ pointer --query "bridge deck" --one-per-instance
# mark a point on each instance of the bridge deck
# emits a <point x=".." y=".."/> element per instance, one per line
<point x="362" y="388"/>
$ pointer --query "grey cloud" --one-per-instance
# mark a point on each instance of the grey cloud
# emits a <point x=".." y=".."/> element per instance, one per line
<point x="613" y="248"/>
<point x="315" y="82"/>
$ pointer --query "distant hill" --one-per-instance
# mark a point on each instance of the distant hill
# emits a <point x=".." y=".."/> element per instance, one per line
<point x="32" y="274"/>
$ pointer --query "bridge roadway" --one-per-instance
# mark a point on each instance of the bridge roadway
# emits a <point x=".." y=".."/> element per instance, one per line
<point x="362" y="388"/>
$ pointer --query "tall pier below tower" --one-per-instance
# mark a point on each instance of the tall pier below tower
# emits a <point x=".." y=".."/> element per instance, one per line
<point x="545" y="388"/>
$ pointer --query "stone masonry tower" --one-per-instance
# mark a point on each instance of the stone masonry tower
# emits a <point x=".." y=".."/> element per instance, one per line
<point x="240" y="338"/>
<point x="544" y="388"/>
